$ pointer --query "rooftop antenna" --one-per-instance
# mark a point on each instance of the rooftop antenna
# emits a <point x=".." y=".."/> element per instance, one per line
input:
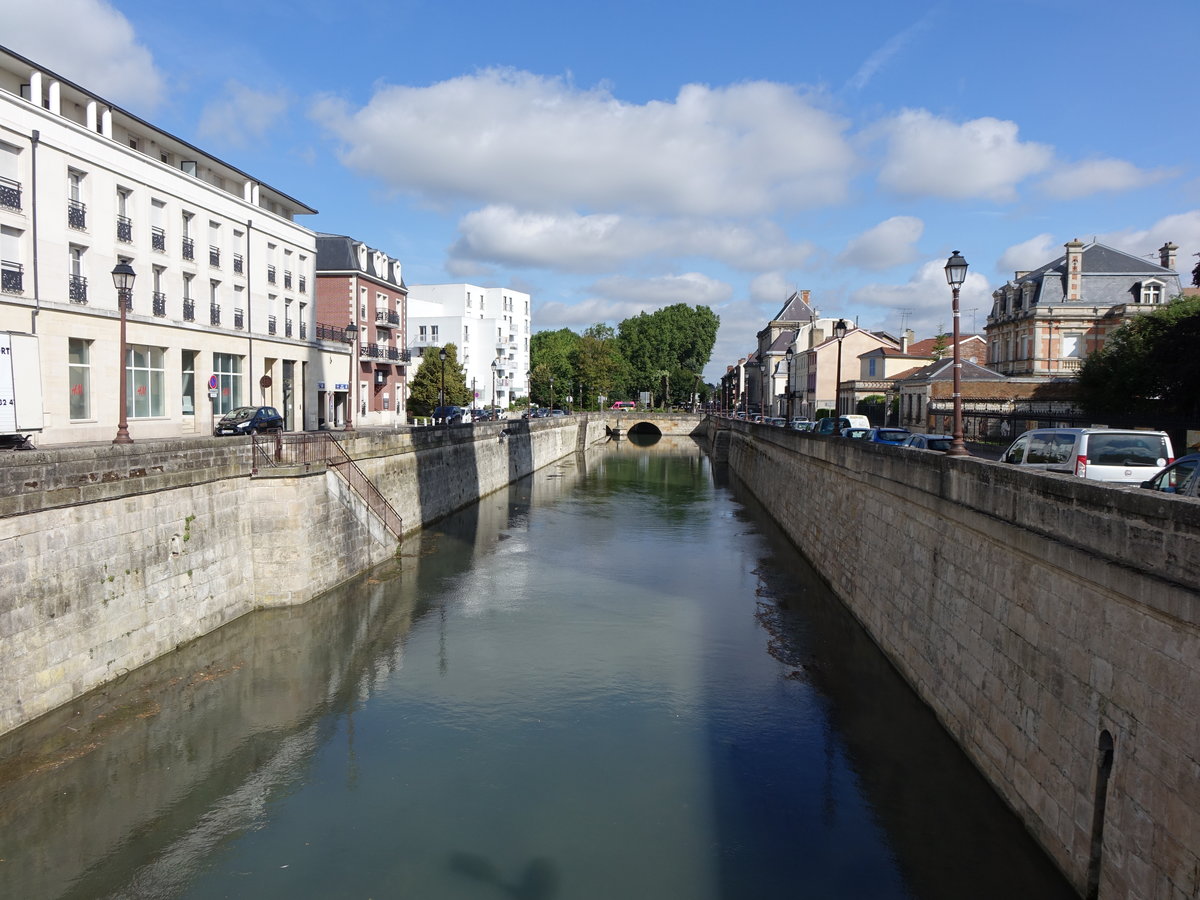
<point x="905" y="315"/>
<point x="972" y="312"/>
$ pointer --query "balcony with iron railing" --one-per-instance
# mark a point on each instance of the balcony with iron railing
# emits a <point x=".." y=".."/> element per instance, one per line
<point x="77" y="289"/>
<point x="303" y="285"/>
<point x="287" y="280"/>
<point x="10" y="193"/>
<point x="124" y="230"/>
<point x="386" y="318"/>
<point x="287" y="327"/>
<point x="334" y="333"/>
<point x="303" y="331"/>
<point x="159" y="303"/>
<point x="271" y="274"/>
<point x="12" y="277"/>
<point x="76" y="214"/>
<point x="237" y="263"/>
<point x="214" y="256"/>
<point x="189" y="248"/>
<point x="270" y="324"/>
<point x="158" y="239"/>
<point x="189" y="310"/>
<point x="214" y="314"/>
<point x="239" y="319"/>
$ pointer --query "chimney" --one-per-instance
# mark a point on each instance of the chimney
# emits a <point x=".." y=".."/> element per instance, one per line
<point x="1166" y="255"/>
<point x="804" y="295"/>
<point x="1074" y="269"/>
<point x="1017" y="276"/>
<point x="906" y="339"/>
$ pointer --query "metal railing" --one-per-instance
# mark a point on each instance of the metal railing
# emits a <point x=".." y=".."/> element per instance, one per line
<point x="124" y="229"/>
<point x="189" y="310"/>
<point x="12" y="277"/>
<point x="271" y="274"/>
<point x="303" y="285"/>
<point x="160" y="304"/>
<point x="334" y="333"/>
<point x="77" y="289"/>
<point x="189" y="248"/>
<point x="10" y="193"/>
<point x="158" y="239"/>
<point x="310" y="448"/>
<point x="214" y="256"/>
<point x="237" y="263"/>
<point x="239" y="318"/>
<point x="76" y="214"/>
<point x="303" y="330"/>
<point x="287" y="327"/>
<point x="270" y="324"/>
<point x="287" y="279"/>
<point x="214" y="314"/>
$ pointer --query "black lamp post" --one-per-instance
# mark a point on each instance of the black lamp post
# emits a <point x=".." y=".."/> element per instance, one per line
<point x="551" y="392"/>
<point x="352" y="339"/>
<point x="442" y="393"/>
<point x="123" y="276"/>
<point x="789" y="356"/>
<point x="956" y="274"/>
<point x="839" y="331"/>
<point x="762" y="397"/>
<point x="495" y="365"/>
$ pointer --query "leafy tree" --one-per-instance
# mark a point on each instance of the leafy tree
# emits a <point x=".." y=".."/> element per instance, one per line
<point x="1196" y="274"/>
<point x="940" y="344"/>
<point x="674" y="338"/>
<point x="425" y="387"/>
<point x="599" y="364"/>
<point x="1148" y="365"/>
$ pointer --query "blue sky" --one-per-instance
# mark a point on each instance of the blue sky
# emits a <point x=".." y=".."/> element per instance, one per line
<point x="615" y="157"/>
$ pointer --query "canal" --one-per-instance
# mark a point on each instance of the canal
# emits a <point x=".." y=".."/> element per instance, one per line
<point x="614" y="679"/>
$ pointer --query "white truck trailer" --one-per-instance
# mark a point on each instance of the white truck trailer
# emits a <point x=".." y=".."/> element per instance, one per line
<point x="20" y="390"/>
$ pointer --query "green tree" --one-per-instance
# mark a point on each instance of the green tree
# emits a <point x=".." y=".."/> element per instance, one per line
<point x="425" y="387"/>
<point x="1148" y="365"/>
<point x="553" y="353"/>
<point x="599" y="365"/>
<point x="678" y="339"/>
<point x="941" y="344"/>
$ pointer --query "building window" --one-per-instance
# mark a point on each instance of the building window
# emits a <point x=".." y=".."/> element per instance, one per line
<point x="1072" y="346"/>
<point x="228" y="369"/>
<point x="421" y="333"/>
<point x="79" y="378"/>
<point x="871" y="367"/>
<point x="188" y="381"/>
<point x="1151" y="293"/>
<point x="433" y="333"/>
<point x="145" y="382"/>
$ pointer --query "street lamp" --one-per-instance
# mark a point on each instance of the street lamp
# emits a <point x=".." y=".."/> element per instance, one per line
<point x="788" y="356"/>
<point x="442" y="393"/>
<point x="839" y="331"/>
<point x="956" y="274"/>
<point x="551" y="392"/>
<point x="123" y="276"/>
<point x="762" y="397"/>
<point x="495" y="366"/>
<point x="351" y="337"/>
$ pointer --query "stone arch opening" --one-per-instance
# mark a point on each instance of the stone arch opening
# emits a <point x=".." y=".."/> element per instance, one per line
<point x="645" y="434"/>
<point x="1104" y="764"/>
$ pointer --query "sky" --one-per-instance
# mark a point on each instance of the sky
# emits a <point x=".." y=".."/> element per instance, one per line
<point x="617" y="157"/>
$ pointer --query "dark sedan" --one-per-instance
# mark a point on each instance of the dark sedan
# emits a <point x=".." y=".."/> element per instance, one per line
<point x="249" y="420"/>
<point x="1182" y="477"/>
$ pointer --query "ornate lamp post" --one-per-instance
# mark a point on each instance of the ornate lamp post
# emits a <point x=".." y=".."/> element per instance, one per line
<point x="495" y="365"/>
<point x="352" y="338"/>
<point x="551" y="392"/>
<point x="762" y="397"/>
<point x="442" y="392"/>
<point x="123" y="276"/>
<point x="956" y="274"/>
<point x="789" y="356"/>
<point x="839" y="331"/>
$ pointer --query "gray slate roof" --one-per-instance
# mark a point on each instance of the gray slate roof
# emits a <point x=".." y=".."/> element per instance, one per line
<point x="1108" y="277"/>
<point x="338" y="253"/>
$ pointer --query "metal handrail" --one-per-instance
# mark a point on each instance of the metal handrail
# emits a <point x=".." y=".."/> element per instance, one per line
<point x="307" y="448"/>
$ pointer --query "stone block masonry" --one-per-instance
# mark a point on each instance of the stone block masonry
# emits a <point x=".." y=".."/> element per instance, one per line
<point x="113" y="556"/>
<point x="1052" y="624"/>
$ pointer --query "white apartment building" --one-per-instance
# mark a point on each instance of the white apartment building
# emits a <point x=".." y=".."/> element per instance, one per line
<point x="486" y="324"/>
<point x="222" y="310"/>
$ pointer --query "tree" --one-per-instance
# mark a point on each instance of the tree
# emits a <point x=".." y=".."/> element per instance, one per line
<point x="1148" y="365"/>
<point x="425" y="387"/>
<point x="599" y="365"/>
<point x="678" y="339"/>
<point x="940" y="344"/>
<point x="552" y="353"/>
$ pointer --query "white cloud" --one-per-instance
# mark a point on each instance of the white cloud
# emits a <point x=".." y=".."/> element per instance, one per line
<point x="242" y="115"/>
<point x="890" y="243"/>
<point x="556" y="314"/>
<point x="1029" y="255"/>
<point x="881" y="57"/>
<point x="927" y="300"/>
<point x="981" y="158"/>
<point x="601" y="242"/>
<point x="502" y="136"/>
<point x="1182" y="229"/>
<point x="692" y="288"/>
<point x="1096" y="175"/>
<point x="89" y="42"/>
<point x="771" y="287"/>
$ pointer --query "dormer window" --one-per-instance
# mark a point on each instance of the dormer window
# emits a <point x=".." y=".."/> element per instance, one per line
<point x="1151" y="292"/>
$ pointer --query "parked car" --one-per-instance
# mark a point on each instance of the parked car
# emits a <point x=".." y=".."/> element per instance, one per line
<point x="249" y="420"/>
<point x="451" y="415"/>
<point x="939" y="442"/>
<point x="776" y="421"/>
<point x="798" y="423"/>
<point x="555" y="413"/>
<point x="624" y="404"/>
<point x="893" y="436"/>
<point x="1181" y="477"/>
<point x="835" y="425"/>
<point x="1101" y="454"/>
<point x="805" y="426"/>
<point x="856" y="434"/>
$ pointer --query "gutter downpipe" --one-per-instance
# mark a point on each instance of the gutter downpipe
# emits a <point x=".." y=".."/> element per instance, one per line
<point x="37" y="294"/>
<point x="250" y="383"/>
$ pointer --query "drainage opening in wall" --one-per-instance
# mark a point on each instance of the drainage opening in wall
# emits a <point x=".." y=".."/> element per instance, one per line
<point x="1104" y="764"/>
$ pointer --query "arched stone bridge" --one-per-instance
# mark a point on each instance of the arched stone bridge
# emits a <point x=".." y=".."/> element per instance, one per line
<point x="623" y="421"/>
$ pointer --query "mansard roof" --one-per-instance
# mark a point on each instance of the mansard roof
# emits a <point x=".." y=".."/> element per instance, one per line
<point x="795" y="309"/>
<point x="1108" y="277"/>
<point x="339" y="253"/>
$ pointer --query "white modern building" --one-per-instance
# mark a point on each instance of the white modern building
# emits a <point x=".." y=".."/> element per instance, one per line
<point x="486" y="324"/>
<point x="222" y="310"/>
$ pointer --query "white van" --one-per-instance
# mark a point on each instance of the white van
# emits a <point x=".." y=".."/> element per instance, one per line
<point x="837" y="424"/>
<point x="1102" y="454"/>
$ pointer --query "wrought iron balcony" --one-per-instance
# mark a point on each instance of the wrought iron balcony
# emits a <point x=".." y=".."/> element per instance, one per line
<point x="287" y="279"/>
<point x="160" y="304"/>
<point x="214" y="314"/>
<point x="77" y="289"/>
<point x="303" y="285"/>
<point x="334" y="333"/>
<point x="239" y="319"/>
<point x="237" y="263"/>
<point x="303" y="330"/>
<point x="271" y="274"/>
<point x="12" y="277"/>
<point x="76" y="214"/>
<point x="386" y="318"/>
<point x="10" y="193"/>
<point x="189" y="248"/>
<point x="214" y="256"/>
<point x="189" y="310"/>
<point x="124" y="230"/>
<point x="158" y="239"/>
<point x="287" y="327"/>
<point x="270" y="324"/>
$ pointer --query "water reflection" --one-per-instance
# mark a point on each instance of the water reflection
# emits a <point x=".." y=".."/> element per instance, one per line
<point x="613" y="679"/>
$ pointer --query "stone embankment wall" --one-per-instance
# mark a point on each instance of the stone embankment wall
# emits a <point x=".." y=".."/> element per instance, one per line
<point x="1050" y="622"/>
<point x="113" y="556"/>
